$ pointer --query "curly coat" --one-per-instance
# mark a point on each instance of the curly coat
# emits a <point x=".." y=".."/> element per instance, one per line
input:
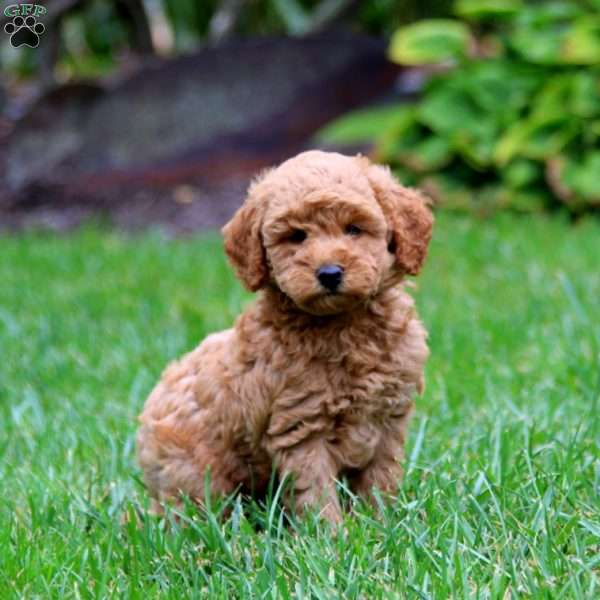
<point x="315" y="383"/>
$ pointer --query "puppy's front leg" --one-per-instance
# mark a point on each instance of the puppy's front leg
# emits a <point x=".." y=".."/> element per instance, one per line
<point x="313" y="472"/>
<point x="384" y="472"/>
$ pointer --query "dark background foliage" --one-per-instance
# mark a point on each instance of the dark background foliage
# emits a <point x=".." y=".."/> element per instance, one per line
<point x="93" y="36"/>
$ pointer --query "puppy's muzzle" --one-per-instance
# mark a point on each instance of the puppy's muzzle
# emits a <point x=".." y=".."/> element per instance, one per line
<point x="330" y="277"/>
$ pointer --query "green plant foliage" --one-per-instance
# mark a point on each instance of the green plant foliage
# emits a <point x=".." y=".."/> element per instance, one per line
<point x="481" y="10"/>
<point x="516" y="122"/>
<point x="429" y="41"/>
<point x="188" y="20"/>
<point x="581" y="44"/>
<point x="363" y="125"/>
<point x="94" y="34"/>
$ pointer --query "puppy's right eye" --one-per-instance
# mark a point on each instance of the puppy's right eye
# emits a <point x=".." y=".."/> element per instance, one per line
<point x="297" y="236"/>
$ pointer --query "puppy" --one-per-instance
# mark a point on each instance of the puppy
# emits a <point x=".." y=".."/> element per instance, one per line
<point x="317" y="378"/>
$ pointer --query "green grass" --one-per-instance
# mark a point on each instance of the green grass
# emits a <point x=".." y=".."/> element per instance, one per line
<point x="502" y="492"/>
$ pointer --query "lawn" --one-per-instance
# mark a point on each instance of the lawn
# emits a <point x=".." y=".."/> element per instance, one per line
<point x="501" y="497"/>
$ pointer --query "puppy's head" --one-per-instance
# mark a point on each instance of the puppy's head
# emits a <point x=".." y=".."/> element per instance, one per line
<point x="330" y="231"/>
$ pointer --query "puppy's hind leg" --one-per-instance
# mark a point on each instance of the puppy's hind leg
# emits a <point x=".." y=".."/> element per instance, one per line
<point x="173" y="469"/>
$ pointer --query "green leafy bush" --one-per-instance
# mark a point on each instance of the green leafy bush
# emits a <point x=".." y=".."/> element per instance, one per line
<point x="512" y="119"/>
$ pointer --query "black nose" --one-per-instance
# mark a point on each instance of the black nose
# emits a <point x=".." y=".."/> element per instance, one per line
<point x="330" y="276"/>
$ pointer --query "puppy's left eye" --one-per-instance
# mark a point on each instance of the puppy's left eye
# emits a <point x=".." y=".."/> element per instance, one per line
<point x="297" y="236"/>
<point x="353" y="230"/>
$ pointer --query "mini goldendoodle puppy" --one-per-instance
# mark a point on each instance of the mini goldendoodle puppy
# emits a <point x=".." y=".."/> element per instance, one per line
<point x="317" y="378"/>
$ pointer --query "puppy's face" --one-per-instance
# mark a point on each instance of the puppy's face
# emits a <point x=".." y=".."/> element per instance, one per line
<point x="330" y="231"/>
<point x="327" y="249"/>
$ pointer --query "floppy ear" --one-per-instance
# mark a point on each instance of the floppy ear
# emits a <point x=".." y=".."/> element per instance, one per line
<point x="243" y="240"/>
<point x="408" y="214"/>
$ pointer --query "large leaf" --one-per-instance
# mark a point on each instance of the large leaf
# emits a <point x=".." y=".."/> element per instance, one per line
<point x="480" y="10"/>
<point x="559" y="33"/>
<point x="447" y="107"/>
<point x="577" y="92"/>
<point x="540" y="45"/>
<point x="430" y="41"/>
<point x="365" y="125"/>
<point x="499" y="89"/>
<point x="501" y="86"/>
<point x="453" y="112"/>
<point x="554" y="96"/>
<point x="540" y="31"/>
<point x="476" y="146"/>
<point x="549" y="14"/>
<point x="537" y="139"/>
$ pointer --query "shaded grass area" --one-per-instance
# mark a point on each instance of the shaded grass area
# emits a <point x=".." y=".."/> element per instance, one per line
<point x="502" y="492"/>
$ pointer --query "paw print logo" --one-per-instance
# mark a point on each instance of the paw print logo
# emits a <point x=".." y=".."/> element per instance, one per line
<point x="24" y="31"/>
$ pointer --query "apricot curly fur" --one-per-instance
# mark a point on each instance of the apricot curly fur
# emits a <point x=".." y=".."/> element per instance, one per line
<point x="315" y="384"/>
